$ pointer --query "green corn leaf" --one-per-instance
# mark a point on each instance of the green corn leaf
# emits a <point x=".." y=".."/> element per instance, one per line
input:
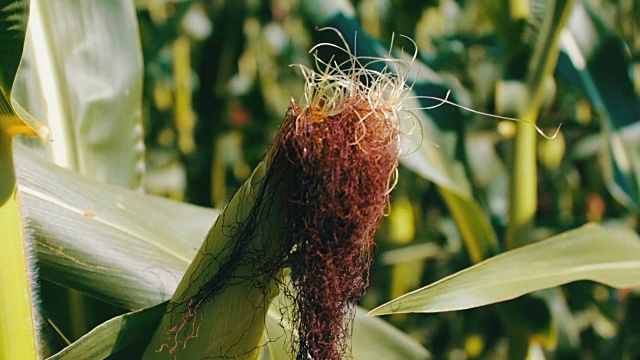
<point x="85" y="63"/>
<point x="88" y="234"/>
<point x="378" y="340"/>
<point x="13" y="27"/>
<point x="82" y="75"/>
<point x="607" y="255"/>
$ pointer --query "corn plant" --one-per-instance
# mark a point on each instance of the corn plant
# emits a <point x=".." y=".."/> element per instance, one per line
<point x="277" y="271"/>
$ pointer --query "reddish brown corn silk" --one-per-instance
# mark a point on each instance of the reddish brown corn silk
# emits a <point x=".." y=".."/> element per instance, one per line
<point x="340" y="171"/>
<point x="341" y="153"/>
<point x="316" y="209"/>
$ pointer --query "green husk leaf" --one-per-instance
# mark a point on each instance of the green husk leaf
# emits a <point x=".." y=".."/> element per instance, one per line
<point x="235" y="316"/>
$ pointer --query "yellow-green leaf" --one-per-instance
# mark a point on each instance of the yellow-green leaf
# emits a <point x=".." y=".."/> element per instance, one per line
<point x="17" y="327"/>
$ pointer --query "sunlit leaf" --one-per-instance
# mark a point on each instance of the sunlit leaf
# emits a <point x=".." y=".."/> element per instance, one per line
<point x="88" y="234"/>
<point x="489" y="172"/>
<point x="86" y="62"/>
<point x="607" y="255"/>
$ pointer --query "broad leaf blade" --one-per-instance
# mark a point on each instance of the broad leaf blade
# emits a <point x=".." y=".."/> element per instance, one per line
<point x="88" y="234"/>
<point x="592" y="252"/>
<point x="88" y="64"/>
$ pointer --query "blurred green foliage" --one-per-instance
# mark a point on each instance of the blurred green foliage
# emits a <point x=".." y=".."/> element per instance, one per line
<point x="239" y="55"/>
<point x="218" y="81"/>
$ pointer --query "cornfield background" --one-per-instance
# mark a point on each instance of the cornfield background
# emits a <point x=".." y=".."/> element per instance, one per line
<point x="153" y="105"/>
